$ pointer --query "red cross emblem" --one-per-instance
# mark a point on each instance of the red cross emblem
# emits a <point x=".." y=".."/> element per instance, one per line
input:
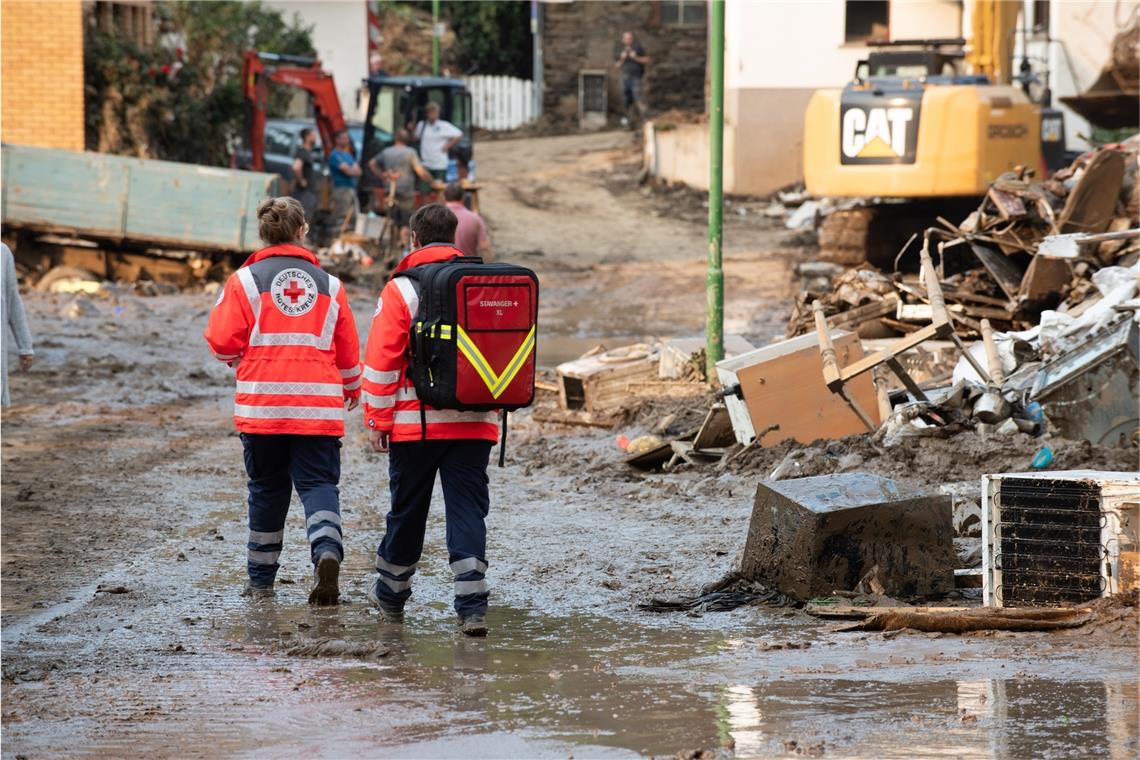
<point x="294" y="291"/>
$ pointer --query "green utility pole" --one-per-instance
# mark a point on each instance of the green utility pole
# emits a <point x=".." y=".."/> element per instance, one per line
<point x="435" y="38"/>
<point x="714" y="315"/>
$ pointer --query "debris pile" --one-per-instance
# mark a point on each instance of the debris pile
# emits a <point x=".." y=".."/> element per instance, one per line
<point x="1031" y="246"/>
<point x="1046" y="272"/>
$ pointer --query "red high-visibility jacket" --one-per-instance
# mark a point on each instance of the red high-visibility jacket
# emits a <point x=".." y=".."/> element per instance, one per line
<point x="390" y="401"/>
<point x="286" y="324"/>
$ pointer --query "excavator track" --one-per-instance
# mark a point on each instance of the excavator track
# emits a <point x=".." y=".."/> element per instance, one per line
<point x="875" y="234"/>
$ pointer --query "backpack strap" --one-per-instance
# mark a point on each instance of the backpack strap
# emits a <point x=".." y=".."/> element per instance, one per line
<point x="503" y="441"/>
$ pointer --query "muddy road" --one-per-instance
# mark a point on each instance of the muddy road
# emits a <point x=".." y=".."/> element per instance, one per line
<point x="124" y="533"/>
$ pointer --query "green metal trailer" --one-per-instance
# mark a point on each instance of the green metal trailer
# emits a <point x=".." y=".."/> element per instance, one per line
<point x="126" y="218"/>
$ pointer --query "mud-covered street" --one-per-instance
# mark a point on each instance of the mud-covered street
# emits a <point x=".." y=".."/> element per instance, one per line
<point x="124" y="543"/>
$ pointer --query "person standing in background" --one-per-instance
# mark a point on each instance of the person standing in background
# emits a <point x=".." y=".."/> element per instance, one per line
<point x="471" y="232"/>
<point x="400" y="165"/>
<point x="344" y="171"/>
<point x="304" y="186"/>
<point x="437" y="137"/>
<point x="17" y="337"/>
<point x="631" y="60"/>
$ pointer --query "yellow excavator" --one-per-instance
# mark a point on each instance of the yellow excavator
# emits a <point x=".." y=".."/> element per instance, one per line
<point x="922" y="131"/>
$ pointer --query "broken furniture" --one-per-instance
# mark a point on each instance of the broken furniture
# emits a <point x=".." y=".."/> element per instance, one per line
<point x="600" y="381"/>
<point x="709" y="443"/>
<point x="776" y="392"/>
<point x="811" y="536"/>
<point x="1057" y="538"/>
<point x="837" y="377"/>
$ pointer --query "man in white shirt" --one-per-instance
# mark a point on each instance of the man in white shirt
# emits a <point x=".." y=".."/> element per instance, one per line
<point x="437" y="137"/>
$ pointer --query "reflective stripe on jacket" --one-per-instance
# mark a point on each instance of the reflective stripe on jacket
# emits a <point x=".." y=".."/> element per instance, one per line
<point x="390" y="401"/>
<point x="287" y="325"/>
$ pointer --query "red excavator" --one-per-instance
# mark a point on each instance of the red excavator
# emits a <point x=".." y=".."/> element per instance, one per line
<point x="294" y="71"/>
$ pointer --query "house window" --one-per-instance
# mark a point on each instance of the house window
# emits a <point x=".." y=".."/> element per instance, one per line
<point x="683" y="12"/>
<point x="866" y="20"/>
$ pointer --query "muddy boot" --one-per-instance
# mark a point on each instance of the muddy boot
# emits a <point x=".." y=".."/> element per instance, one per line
<point x="258" y="591"/>
<point x="325" y="590"/>
<point x="473" y="625"/>
<point x="392" y="612"/>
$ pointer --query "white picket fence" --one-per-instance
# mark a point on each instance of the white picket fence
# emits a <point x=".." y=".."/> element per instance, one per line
<point x="500" y="103"/>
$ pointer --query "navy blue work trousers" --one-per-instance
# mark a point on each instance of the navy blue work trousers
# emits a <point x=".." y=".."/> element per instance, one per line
<point x="462" y="469"/>
<point x="276" y="464"/>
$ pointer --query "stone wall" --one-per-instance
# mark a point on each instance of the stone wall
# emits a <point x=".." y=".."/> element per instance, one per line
<point x="587" y="35"/>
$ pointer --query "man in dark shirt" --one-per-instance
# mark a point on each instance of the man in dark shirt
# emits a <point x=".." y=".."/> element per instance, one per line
<point x="304" y="179"/>
<point x="631" y="60"/>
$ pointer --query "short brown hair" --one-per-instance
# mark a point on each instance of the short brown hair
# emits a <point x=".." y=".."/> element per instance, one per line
<point x="453" y="192"/>
<point x="433" y="223"/>
<point x="280" y="219"/>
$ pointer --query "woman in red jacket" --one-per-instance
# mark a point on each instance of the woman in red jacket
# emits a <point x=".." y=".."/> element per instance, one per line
<point x="286" y="325"/>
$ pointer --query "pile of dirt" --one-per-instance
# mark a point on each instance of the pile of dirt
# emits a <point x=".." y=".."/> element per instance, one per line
<point x="928" y="461"/>
<point x="1115" y="617"/>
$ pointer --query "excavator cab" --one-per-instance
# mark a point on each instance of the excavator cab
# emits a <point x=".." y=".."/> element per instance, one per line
<point x="401" y="102"/>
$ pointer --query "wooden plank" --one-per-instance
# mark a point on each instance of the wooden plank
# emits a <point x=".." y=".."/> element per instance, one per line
<point x="852" y="612"/>
<point x="852" y="318"/>
<point x="1044" y="278"/>
<point x="574" y="417"/>
<point x="789" y="391"/>
<point x="1007" y="274"/>
<point x="716" y="430"/>
<point x="902" y="344"/>
<point x="1007" y="204"/>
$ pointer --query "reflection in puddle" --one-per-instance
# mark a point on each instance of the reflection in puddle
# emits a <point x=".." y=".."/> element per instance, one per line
<point x="1013" y="718"/>
<point x="604" y="683"/>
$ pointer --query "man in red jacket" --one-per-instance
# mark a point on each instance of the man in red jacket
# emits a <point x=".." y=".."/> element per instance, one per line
<point x="286" y="325"/>
<point x="457" y="445"/>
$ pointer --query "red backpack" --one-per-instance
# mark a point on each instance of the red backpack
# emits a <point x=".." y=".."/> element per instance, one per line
<point x="473" y="337"/>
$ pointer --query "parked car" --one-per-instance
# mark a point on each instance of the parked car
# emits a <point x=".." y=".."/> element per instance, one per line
<point x="283" y="137"/>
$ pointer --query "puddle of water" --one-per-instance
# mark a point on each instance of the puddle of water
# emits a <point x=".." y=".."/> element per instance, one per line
<point x="598" y="683"/>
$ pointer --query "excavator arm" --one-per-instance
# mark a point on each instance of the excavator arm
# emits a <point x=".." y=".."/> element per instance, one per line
<point x="303" y="73"/>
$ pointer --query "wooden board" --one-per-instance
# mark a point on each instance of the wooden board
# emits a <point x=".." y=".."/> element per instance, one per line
<point x="789" y="391"/>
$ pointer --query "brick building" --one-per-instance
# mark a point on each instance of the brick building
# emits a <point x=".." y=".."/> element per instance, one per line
<point x="41" y="55"/>
<point x="586" y="35"/>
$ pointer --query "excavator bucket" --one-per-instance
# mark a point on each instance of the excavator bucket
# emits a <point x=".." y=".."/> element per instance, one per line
<point x="1111" y="101"/>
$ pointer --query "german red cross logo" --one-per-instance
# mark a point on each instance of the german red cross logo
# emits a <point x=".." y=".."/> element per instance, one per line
<point x="294" y="292"/>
